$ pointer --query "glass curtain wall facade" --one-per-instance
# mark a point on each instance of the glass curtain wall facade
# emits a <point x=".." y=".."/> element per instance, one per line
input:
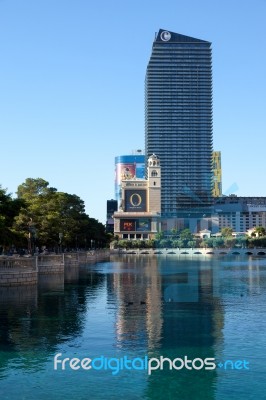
<point x="178" y="120"/>
<point x="217" y="174"/>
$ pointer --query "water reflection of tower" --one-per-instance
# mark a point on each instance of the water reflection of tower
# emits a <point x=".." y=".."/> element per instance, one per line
<point x="192" y="291"/>
<point x="138" y="289"/>
<point x="193" y="319"/>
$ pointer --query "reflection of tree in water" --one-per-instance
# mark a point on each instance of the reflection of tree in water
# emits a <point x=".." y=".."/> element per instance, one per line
<point x="32" y="325"/>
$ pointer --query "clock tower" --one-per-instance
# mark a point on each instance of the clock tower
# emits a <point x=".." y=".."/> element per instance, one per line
<point x="154" y="183"/>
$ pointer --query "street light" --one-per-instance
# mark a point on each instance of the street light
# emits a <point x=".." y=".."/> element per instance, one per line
<point x="60" y="241"/>
<point x="31" y="237"/>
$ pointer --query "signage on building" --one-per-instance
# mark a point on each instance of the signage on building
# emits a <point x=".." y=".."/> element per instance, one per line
<point x="137" y="225"/>
<point x="135" y="200"/>
<point x="127" y="225"/>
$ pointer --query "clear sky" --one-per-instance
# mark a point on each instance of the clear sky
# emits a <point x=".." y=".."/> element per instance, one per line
<point x="72" y="88"/>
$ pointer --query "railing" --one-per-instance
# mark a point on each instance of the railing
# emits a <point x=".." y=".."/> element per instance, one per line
<point x="71" y="259"/>
<point x="15" y="264"/>
<point x="27" y="270"/>
<point x="193" y="251"/>
<point x="50" y="260"/>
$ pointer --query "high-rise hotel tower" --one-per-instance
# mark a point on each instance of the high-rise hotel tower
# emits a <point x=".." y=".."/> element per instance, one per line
<point x="178" y="120"/>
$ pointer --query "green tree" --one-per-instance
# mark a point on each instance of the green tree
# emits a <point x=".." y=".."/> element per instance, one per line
<point x="181" y="243"/>
<point x="51" y="215"/>
<point x="159" y="235"/>
<point x="165" y="243"/>
<point x="186" y="236"/>
<point x="241" y="241"/>
<point x="122" y="244"/>
<point x="229" y="241"/>
<point x="9" y="209"/>
<point x="175" y="243"/>
<point x="174" y="233"/>
<point x="209" y="242"/>
<point x="150" y="244"/>
<point x="226" y="232"/>
<point x="218" y="242"/>
<point x="33" y="188"/>
<point x="191" y="243"/>
<point x="257" y="242"/>
<point x="260" y="231"/>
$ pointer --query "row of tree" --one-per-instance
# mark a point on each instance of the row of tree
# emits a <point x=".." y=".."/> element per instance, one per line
<point x="42" y="216"/>
<point x="185" y="239"/>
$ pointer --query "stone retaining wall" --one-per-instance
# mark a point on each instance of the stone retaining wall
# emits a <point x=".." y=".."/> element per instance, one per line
<point x="25" y="270"/>
<point x="51" y="264"/>
<point x="15" y="278"/>
<point x="18" y="271"/>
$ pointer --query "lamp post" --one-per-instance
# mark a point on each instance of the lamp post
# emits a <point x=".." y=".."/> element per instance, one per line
<point x="31" y="237"/>
<point x="60" y="241"/>
<point x="29" y="242"/>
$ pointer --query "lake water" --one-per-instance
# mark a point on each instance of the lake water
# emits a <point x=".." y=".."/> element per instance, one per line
<point x="138" y="308"/>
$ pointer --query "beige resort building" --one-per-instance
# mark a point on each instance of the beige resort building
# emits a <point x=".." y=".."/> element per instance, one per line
<point x="138" y="215"/>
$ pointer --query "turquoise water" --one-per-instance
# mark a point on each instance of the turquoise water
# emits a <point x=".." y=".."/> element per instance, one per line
<point x="137" y="307"/>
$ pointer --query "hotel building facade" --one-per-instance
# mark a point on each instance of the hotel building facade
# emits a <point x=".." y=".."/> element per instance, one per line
<point x="178" y="121"/>
<point x="138" y="215"/>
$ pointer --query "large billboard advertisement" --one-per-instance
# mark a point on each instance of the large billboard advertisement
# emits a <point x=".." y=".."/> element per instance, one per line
<point x="135" y="200"/>
<point x="137" y="225"/>
<point x="143" y="225"/>
<point x="127" y="225"/>
<point x="128" y="167"/>
<point x="125" y="171"/>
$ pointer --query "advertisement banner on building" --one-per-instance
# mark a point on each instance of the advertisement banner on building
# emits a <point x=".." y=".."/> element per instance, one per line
<point x="135" y="200"/>
<point x="127" y="225"/>
<point x="138" y="225"/>
<point x="125" y="171"/>
<point x="143" y="225"/>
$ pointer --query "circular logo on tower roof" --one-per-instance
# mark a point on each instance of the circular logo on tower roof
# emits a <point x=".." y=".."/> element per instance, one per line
<point x="165" y="36"/>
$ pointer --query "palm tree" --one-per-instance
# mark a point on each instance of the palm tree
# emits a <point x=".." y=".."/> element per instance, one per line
<point x="260" y="231"/>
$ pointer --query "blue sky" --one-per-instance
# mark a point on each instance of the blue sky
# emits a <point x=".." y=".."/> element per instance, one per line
<point x="72" y="88"/>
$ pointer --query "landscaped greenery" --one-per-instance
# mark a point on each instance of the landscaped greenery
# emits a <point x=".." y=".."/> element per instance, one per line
<point x="185" y="239"/>
<point x="42" y="216"/>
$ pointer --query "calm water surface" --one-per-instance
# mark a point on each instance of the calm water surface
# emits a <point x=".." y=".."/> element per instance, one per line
<point x="138" y="306"/>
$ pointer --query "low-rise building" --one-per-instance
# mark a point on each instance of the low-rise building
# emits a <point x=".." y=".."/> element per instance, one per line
<point x="240" y="213"/>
